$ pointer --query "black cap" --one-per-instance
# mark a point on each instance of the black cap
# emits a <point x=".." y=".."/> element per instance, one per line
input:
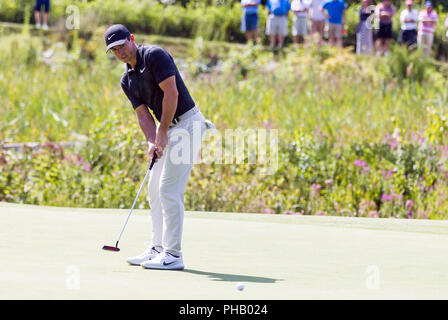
<point x="116" y="35"/>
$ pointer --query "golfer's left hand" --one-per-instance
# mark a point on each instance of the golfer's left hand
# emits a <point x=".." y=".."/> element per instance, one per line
<point x="153" y="149"/>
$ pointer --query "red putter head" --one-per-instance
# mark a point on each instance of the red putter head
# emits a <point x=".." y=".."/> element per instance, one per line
<point x="109" y="248"/>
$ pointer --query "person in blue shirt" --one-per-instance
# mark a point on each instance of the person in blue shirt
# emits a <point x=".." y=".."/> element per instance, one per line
<point x="249" y="20"/>
<point x="334" y="10"/>
<point x="277" y="22"/>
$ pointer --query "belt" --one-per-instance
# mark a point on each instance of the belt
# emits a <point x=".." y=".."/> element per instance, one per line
<point x="185" y="115"/>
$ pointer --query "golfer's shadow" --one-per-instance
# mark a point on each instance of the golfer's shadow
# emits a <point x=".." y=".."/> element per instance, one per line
<point x="232" y="277"/>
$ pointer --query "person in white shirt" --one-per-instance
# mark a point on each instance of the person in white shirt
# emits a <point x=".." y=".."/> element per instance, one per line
<point x="408" y="33"/>
<point x="317" y="19"/>
<point x="299" y="20"/>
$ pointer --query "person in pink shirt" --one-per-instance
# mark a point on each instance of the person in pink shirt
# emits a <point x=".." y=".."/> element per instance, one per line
<point x="384" y="12"/>
<point x="426" y="27"/>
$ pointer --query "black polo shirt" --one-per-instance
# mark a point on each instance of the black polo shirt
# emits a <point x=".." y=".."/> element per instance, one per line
<point x="141" y="84"/>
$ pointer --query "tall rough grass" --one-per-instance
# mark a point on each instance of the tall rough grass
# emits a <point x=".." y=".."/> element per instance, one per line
<point x="356" y="137"/>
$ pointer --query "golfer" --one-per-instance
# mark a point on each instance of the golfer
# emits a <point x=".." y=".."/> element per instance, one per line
<point x="152" y="81"/>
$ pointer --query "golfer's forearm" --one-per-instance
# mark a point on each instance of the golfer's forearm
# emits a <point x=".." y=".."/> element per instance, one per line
<point x="147" y="123"/>
<point x="169" y="106"/>
<point x="149" y="129"/>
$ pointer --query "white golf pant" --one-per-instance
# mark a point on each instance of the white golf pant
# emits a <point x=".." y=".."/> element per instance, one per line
<point x="168" y="180"/>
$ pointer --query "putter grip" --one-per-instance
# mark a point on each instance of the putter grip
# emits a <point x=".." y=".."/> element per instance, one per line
<point x="154" y="157"/>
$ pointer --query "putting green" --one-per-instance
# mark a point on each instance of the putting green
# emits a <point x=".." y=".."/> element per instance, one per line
<point x="55" y="253"/>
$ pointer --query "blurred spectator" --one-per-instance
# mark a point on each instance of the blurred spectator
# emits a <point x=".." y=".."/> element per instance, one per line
<point x="37" y="9"/>
<point x="408" y="19"/>
<point x="426" y="27"/>
<point x="384" y="12"/>
<point x="277" y="21"/>
<point x="299" y="20"/>
<point x="334" y="10"/>
<point x="249" y="20"/>
<point x="317" y="18"/>
<point x="364" y="35"/>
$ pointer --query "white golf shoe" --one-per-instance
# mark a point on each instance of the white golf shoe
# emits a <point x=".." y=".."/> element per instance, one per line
<point x="165" y="261"/>
<point x="147" y="255"/>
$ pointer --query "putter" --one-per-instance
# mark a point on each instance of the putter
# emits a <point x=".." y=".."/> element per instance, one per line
<point x="116" y="249"/>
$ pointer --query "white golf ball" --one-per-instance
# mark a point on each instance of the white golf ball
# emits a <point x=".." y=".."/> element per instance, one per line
<point x="240" y="286"/>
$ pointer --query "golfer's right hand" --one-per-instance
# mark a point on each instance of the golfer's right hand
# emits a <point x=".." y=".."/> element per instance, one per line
<point x="153" y="148"/>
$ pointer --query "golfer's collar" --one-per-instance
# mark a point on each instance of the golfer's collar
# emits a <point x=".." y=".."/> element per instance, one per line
<point x="139" y="59"/>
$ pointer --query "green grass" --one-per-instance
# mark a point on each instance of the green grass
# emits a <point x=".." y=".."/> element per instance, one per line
<point x="319" y="257"/>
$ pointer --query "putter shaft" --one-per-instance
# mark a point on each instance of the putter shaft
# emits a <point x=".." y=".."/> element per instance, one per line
<point x="138" y="194"/>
